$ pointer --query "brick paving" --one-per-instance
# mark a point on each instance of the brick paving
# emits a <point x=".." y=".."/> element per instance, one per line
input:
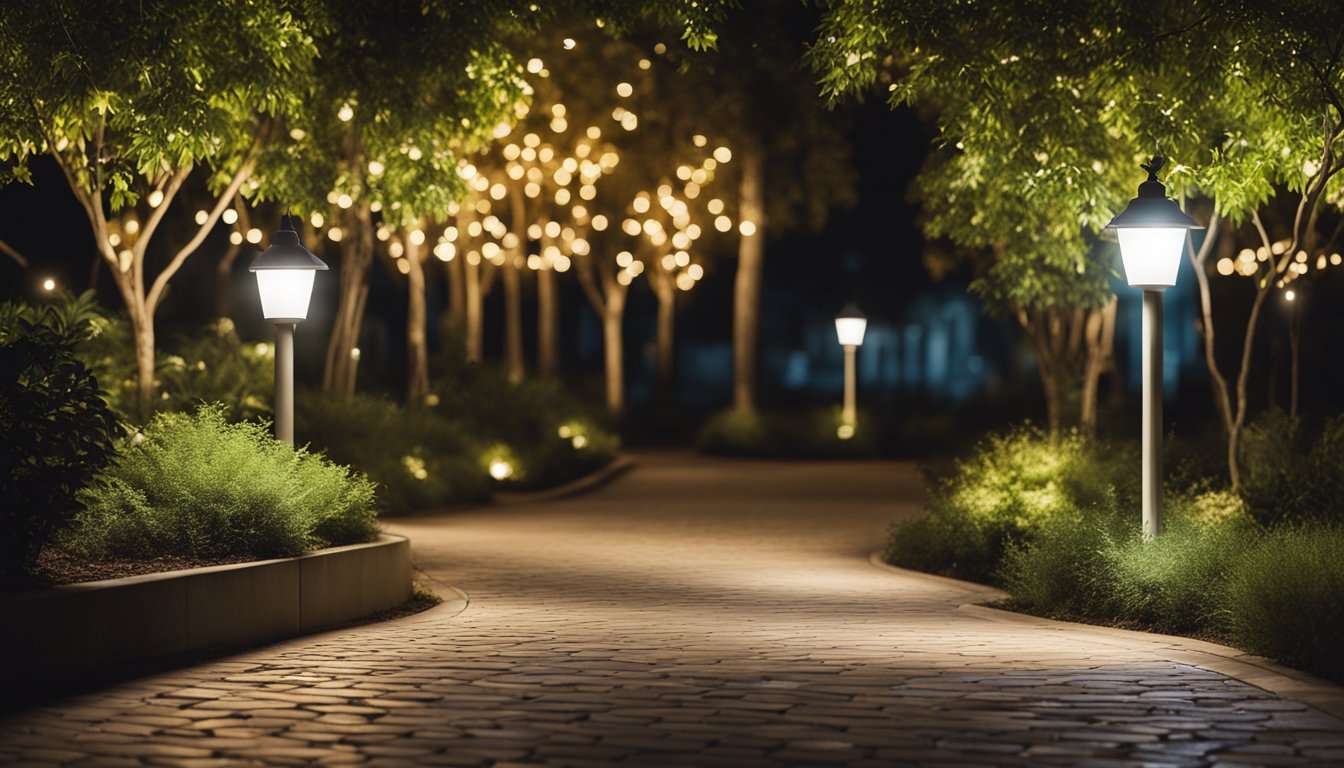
<point x="692" y="613"/>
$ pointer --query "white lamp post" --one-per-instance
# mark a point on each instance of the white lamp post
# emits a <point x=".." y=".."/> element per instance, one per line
<point x="1152" y="231"/>
<point x="850" y="325"/>
<point x="285" y="280"/>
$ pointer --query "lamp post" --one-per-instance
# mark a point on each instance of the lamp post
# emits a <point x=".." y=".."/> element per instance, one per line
<point x="285" y="280"/>
<point x="1152" y="231"/>
<point x="850" y="325"/>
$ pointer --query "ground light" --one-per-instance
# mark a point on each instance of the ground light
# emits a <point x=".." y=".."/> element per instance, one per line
<point x="1152" y="231"/>
<point x="285" y="275"/>
<point x="850" y="326"/>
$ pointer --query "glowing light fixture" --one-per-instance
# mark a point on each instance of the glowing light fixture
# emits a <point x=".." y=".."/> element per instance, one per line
<point x="285" y="281"/>
<point x="1152" y="231"/>
<point x="850" y="326"/>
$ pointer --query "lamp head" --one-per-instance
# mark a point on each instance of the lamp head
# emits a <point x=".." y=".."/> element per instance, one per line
<point x="285" y="275"/>
<point x="850" y="325"/>
<point x="1152" y="231"/>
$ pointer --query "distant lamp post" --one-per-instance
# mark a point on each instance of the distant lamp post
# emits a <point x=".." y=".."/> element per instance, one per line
<point x="850" y="326"/>
<point x="285" y="280"/>
<point x="1152" y="231"/>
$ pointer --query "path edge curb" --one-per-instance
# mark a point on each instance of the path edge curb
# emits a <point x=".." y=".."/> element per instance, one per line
<point x="1253" y="670"/>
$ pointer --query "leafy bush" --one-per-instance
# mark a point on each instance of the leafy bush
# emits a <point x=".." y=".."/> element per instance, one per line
<point x="810" y="434"/>
<point x="551" y="435"/>
<point x="58" y="431"/>
<point x="211" y="365"/>
<point x="1283" y="599"/>
<point x="417" y="458"/>
<point x="1013" y="486"/>
<point x="1290" y="475"/>
<point x="198" y="486"/>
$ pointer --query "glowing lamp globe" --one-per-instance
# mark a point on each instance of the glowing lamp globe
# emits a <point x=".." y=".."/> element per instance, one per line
<point x="1152" y="231"/>
<point x="285" y="276"/>
<point x="850" y="325"/>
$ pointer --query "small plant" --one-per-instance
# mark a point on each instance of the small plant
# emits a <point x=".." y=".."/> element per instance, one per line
<point x="198" y="486"/>
<point x="1290" y="474"/>
<point x="1283" y="599"/>
<point x="58" y="430"/>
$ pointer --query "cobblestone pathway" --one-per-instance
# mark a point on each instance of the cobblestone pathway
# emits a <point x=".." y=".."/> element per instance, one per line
<point x="692" y="613"/>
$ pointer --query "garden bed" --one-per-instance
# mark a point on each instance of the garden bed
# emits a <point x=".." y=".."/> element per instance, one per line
<point x="67" y="633"/>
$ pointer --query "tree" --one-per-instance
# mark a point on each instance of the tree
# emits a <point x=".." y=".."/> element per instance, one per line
<point x="134" y="103"/>
<point x="793" y="157"/>
<point x="1245" y="98"/>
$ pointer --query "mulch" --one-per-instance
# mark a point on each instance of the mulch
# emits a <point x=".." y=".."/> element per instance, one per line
<point x="61" y="566"/>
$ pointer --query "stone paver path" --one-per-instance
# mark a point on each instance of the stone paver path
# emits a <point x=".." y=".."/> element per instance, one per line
<point x="691" y="613"/>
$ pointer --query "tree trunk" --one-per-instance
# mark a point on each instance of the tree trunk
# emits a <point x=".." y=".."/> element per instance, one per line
<point x="613" y="316"/>
<point x="548" y="310"/>
<point x="666" y="292"/>
<point x="1295" y="357"/>
<point x="456" y="313"/>
<point x="338" y="377"/>
<point x="475" y="328"/>
<point x="142" y="326"/>
<point x="417" y="347"/>
<point x="1100" y="340"/>
<point x="747" y="285"/>
<point x="513" y="318"/>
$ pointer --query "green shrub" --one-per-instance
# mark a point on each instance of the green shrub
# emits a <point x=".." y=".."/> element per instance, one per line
<point x="1284" y="599"/>
<point x="198" y="486"/>
<point x="58" y="431"/>
<point x="1013" y="486"/>
<point x="417" y="458"/>
<point x="817" y="433"/>
<point x="210" y="365"/>
<point x="527" y="417"/>
<point x="1291" y="475"/>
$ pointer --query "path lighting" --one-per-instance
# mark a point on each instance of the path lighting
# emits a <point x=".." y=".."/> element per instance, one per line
<point x="850" y="326"/>
<point x="1152" y="231"/>
<point x="285" y="280"/>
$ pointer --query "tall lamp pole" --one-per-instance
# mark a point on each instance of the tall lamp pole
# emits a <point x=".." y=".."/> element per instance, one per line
<point x="850" y="326"/>
<point x="285" y="275"/>
<point x="1152" y="231"/>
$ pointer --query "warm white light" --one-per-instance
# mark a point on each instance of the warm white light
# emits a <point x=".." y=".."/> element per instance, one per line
<point x="48" y="285"/>
<point x="500" y="469"/>
<point x="849" y="330"/>
<point x="1289" y="294"/>
<point x="285" y="293"/>
<point x="1151" y="255"/>
<point x="229" y="216"/>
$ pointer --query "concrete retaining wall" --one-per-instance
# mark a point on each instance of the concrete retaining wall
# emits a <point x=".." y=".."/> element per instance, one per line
<point x="61" y="635"/>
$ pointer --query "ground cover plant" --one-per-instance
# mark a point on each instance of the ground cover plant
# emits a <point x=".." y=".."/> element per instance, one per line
<point x="196" y="485"/>
<point x="1056" y="524"/>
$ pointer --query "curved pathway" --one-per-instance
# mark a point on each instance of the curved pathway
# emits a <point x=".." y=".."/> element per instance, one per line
<point x="694" y="612"/>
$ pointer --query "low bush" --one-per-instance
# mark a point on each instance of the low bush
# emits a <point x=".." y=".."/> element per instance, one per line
<point x="1011" y="488"/>
<point x="1284" y="599"/>
<point x="58" y="430"/>
<point x="197" y="486"/>
<point x="818" y="433"/>
<point x="1291" y="474"/>
<point x="417" y="458"/>
<point x="211" y="365"/>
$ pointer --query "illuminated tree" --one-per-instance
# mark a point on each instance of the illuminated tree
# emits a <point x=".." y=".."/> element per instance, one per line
<point x="792" y="164"/>
<point x="135" y="102"/>
<point x="1245" y="97"/>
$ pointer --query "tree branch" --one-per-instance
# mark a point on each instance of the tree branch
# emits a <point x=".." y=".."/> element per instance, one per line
<point x="152" y="223"/>
<point x="9" y="251"/>
<point x="225" y="200"/>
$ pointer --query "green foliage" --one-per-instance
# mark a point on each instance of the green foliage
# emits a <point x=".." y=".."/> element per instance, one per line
<point x="1011" y="488"/>
<point x="813" y="434"/>
<point x="528" y="417"/>
<point x="1292" y="474"/>
<point x="58" y="431"/>
<point x="198" y="486"/>
<point x="1283" y="599"/>
<point x="417" y="458"/>
<point x="209" y="365"/>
